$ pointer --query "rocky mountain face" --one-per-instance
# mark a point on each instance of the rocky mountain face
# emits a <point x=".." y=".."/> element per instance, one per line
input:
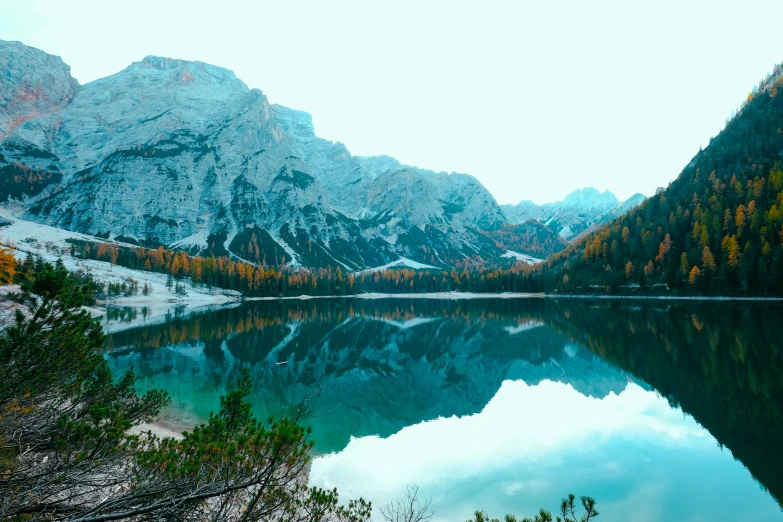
<point x="184" y="154"/>
<point x="32" y="84"/>
<point x="576" y="213"/>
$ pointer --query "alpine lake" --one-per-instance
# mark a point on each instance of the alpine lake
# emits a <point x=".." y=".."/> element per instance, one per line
<point x="662" y="410"/>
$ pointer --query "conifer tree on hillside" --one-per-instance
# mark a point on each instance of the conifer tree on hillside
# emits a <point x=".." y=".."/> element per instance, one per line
<point x="716" y="229"/>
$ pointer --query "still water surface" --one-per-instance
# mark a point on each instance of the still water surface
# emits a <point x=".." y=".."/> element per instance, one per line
<point x="662" y="411"/>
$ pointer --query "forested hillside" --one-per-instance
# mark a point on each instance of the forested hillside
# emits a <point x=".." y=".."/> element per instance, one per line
<point x="531" y="237"/>
<point x="717" y="229"/>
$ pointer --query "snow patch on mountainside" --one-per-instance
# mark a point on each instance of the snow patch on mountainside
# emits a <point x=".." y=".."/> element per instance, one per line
<point x="199" y="240"/>
<point x="51" y="244"/>
<point x="288" y="250"/>
<point x="530" y="260"/>
<point x="402" y="262"/>
<point x="26" y="232"/>
<point x="337" y="260"/>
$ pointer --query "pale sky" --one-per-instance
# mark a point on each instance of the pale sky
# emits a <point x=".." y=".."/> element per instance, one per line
<point x="535" y="99"/>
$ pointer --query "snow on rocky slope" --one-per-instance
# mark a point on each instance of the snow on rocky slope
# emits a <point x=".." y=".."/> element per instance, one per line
<point x="577" y="212"/>
<point x="183" y="153"/>
<point x="530" y="260"/>
<point x="51" y="244"/>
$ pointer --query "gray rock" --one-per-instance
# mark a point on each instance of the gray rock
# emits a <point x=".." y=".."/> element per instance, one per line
<point x="32" y="84"/>
<point x="182" y="153"/>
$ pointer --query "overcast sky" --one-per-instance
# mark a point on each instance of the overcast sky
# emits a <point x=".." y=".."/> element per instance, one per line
<point x="535" y="99"/>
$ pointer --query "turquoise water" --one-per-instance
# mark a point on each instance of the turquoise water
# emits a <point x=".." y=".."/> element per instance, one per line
<point x="661" y="411"/>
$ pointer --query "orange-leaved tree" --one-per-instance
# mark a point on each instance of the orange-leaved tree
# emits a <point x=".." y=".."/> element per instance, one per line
<point x="7" y="265"/>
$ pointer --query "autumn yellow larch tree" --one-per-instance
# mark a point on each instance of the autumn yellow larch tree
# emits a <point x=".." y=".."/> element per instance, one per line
<point x="726" y="220"/>
<point x="693" y="276"/>
<point x="739" y="219"/>
<point x="664" y="248"/>
<point x="649" y="269"/>
<point x="7" y="266"/>
<point x="707" y="260"/>
<point x="731" y="247"/>
<point x="704" y="237"/>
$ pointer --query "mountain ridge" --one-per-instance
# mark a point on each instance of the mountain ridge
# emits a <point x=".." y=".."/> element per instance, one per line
<point x="169" y="149"/>
<point x="576" y="213"/>
<point x="184" y="154"/>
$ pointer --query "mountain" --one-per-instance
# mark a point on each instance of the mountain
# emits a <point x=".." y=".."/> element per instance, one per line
<point x="576" y="213"/>
<point x="718" y="228"/>
<point x="183" y="153"/>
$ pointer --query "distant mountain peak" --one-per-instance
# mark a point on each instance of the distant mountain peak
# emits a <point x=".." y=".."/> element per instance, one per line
<point x="577" y="212"/>
<point x="591" y="196"/>
<point x="587" y="190"/>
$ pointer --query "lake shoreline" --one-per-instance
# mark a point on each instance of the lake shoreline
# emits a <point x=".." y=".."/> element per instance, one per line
<point x="158" y="307"/>
<point x="159" y="311"/>
<point x="429" y="295"/>
<point x="511" y="295"/>
<point x="665" y="297"/>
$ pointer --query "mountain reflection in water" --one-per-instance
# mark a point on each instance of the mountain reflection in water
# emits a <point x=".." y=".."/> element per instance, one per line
<point x="502" y="403"/>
